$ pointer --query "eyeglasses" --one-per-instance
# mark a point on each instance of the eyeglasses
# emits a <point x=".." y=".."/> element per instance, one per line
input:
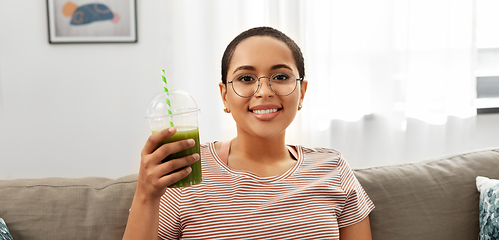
<point x="281" y="83"/>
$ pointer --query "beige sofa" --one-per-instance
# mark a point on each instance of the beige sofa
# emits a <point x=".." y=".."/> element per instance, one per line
<point x="429" y="200"/>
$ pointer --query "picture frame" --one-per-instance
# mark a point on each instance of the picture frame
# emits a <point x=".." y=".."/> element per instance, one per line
<point x="92" y="21"/>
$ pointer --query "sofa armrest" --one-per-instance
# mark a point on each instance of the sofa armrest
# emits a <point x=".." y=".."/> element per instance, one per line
<point x="435" y="199"/>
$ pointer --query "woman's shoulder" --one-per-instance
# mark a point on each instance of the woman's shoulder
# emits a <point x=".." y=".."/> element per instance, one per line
<point x="318" y="150"/>
<point x="208" y="145"/>
<point x="322" y="155"/>
<point x="205" y="144"/>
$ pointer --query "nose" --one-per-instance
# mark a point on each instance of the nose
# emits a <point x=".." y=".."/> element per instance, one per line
<point x="264" y="88"/>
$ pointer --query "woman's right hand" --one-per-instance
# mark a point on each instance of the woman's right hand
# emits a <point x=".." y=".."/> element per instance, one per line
<point x="154" y="175"/>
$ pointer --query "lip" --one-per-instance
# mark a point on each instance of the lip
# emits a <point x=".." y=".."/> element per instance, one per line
<point x="266" y="116"/>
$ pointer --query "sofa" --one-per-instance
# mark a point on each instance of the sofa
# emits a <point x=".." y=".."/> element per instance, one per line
<point x="436" y="199"/>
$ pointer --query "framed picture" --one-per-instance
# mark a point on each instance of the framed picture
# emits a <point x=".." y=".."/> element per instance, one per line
<point x="92" y="21"/>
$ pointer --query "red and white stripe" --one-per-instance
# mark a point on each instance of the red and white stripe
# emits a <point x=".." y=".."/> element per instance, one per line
<point x="312" y="200"/>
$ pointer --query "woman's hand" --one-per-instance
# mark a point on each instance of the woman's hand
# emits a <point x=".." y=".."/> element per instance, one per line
<point x="154" y="175"/>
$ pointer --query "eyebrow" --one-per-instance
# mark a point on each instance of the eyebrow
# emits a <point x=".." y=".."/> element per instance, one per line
<point x="281" y="66"/>
<point x="251" y="68"/>
<point x="244" y="67"/>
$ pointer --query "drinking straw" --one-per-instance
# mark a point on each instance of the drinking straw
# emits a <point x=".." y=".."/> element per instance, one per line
<point x="167" y="95"/>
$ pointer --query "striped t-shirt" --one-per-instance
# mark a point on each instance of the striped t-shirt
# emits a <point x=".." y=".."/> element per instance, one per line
<point x="312" y="200"/>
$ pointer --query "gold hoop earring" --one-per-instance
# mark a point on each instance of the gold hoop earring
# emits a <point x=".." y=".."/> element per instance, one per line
<point x="226" y="110"/>
<point x="299" y="107"/>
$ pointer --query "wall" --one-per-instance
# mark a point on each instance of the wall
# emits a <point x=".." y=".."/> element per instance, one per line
<point x="73" y="110"/>
<point x="77" y="110"/>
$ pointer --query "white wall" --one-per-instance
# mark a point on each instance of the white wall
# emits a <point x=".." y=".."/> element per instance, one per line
<point x="73" y="110"/>
<point x="77" y="110"/>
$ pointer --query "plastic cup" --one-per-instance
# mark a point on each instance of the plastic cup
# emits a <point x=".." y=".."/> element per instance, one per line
<point x="184" y="115"/>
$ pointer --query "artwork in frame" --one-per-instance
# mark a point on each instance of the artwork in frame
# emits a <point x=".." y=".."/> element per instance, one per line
<point x="92" y="21"/>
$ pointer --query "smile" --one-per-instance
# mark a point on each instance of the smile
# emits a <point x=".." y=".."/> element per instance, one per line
<point x="265" y="111"/>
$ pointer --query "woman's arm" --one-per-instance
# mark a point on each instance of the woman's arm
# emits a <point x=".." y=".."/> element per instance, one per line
<point x="154" y="178"/>
<point x="358" y="231"/>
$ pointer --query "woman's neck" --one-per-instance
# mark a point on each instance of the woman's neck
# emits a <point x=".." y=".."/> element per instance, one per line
<point x="264" y="157"/>
<point x="260" y="149"/>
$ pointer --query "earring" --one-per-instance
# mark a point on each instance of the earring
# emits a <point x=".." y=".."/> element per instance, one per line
<point x="226" y="110"/>
<point x="299" y="107"/>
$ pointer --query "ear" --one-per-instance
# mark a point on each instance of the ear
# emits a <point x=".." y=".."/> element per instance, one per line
<point x="303" y="90"/>
<point x="223" y="94"/>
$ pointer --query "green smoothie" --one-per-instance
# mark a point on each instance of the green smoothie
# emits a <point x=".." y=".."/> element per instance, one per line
<point x="185" y="133"/>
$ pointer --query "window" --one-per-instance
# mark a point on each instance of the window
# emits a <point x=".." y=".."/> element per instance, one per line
<point x="487" y="59"/>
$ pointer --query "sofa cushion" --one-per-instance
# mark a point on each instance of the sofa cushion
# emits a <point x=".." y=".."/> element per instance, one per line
<point x="428" y="200"/>
<point x="62" y="208"/>
<point x="489" y="207"/>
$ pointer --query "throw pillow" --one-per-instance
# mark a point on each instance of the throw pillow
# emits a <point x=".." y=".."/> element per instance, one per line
<point x="489" y="208"/>
<point x="4" y="232"/>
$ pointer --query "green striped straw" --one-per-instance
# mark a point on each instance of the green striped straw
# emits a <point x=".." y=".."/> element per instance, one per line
<point x="167" y="95"/>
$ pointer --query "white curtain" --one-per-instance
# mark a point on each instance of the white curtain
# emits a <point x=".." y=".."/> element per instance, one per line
<point x="390" y="81"/>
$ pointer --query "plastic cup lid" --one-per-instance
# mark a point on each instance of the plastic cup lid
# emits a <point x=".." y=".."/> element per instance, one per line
<point x="181" y="103"/>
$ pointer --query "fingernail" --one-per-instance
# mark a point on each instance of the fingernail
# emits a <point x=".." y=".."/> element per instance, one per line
<point x="195" y="156"/>
<point x="171" y="129"/>
<point x="191" y="141"/>
<point x="189" y="169"/>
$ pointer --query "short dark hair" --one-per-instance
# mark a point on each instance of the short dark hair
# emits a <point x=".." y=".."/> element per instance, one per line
<point x="262" y="31"/>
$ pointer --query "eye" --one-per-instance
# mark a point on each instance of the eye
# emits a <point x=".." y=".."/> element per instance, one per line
<point x="246" y="79"/>
<point x="281" y="77"/>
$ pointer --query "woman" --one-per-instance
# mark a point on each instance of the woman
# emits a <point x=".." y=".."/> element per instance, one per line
<point x="254" y="186"/>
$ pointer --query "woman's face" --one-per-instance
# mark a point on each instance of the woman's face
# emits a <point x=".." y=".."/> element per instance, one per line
<point x="265" y="114"/>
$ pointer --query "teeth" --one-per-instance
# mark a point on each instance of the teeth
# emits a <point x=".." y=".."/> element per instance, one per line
<point x="265" y="111"/>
